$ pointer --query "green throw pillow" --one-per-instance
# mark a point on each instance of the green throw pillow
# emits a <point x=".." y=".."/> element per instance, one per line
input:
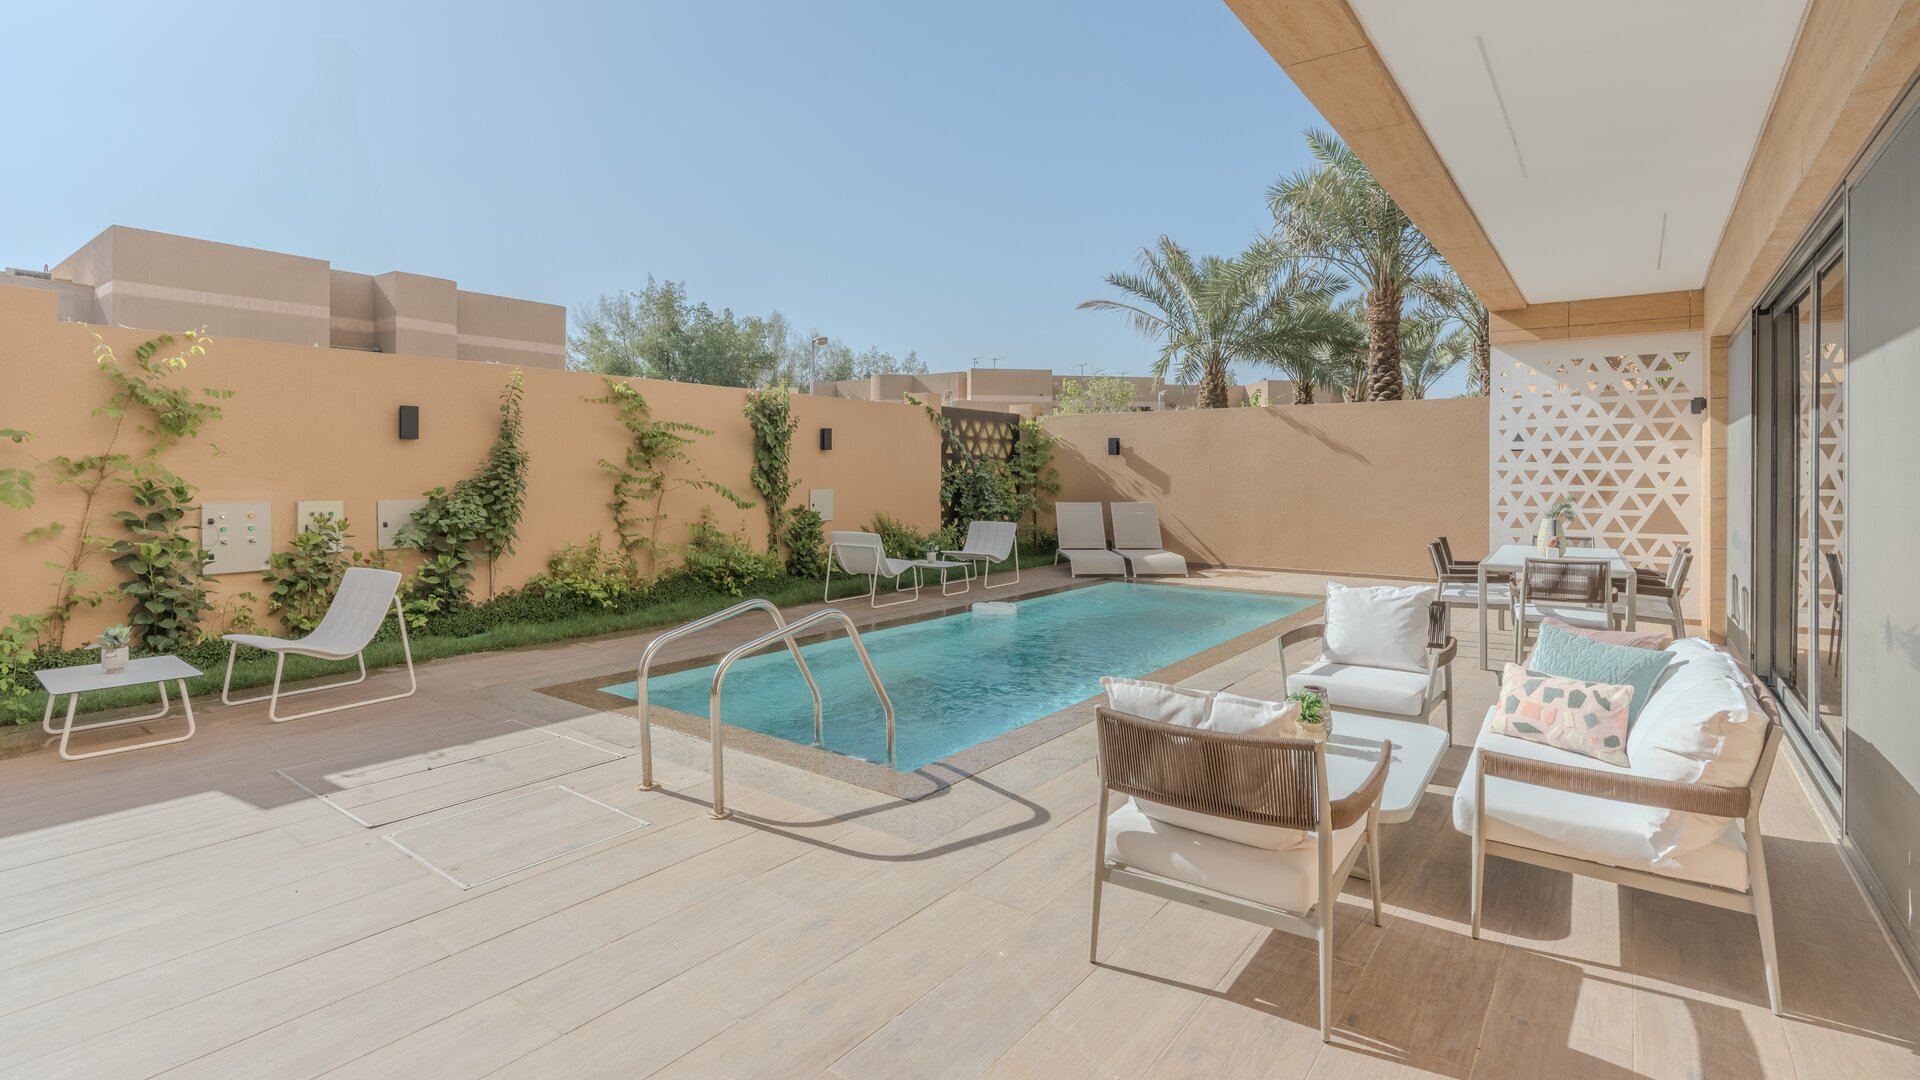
<point x="1571" y="656"/>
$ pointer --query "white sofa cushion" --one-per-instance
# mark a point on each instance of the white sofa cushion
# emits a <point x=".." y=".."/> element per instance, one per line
<point x="1288" y="880"/>
<point x="1227" y="713"/>
<point x="1377" y="626"/>
<point x="1589" y="828"/>
<point x="1402" y="693"/>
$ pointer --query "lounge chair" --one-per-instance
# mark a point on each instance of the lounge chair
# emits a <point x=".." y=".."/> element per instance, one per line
<point x="863" y="553"/>
<point x="1136" y="536"/>
<point x="1083" y="540"/>
<point x="989" y="542"/>
<point x="359" y="607"/>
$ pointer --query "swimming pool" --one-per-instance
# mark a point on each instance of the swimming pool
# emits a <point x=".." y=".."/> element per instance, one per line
<point x="959" y="680"/>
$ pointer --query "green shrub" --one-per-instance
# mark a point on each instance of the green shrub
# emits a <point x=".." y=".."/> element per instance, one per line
<point x="302" y="581"/>
<point x="1036" y="538"/>
<point x="724" y="561"/>
<point x="901" y="540"/>
<point x="806" y="542"/>
<point x="592" y="574"/>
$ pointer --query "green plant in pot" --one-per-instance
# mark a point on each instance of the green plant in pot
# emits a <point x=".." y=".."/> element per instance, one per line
<point x="1316" y="717"/>
<point x="113" y="643"/>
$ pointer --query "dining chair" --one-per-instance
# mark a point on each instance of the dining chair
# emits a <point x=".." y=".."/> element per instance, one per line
<point x="1578" y="592"/>
<point x="1657" y="596"/>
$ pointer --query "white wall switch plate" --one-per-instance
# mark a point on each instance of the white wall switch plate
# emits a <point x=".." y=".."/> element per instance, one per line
<point x="390" y="515"/>
<point x="239" y="536"/>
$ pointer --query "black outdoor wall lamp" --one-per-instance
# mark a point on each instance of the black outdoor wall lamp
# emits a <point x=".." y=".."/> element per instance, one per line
<point x="1113" y="447"/>
<point x="826" y="438"/>
<point x="409" y="421"/>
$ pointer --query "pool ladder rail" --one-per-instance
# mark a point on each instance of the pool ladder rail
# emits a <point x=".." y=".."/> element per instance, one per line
<point x="782" y="632"/>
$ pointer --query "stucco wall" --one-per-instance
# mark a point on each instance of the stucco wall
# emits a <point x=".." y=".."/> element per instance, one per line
<point x="1348" y="488"/>
<point x="307" y="424"/>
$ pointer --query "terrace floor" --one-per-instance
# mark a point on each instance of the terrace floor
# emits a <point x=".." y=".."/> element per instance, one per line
<point x="187" y="911"/>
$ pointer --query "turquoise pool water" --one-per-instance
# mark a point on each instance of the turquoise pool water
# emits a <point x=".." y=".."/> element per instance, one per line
<point x="959" y="680"/>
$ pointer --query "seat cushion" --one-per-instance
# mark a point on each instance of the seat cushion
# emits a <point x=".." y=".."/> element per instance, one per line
<point x="1401" y="693"/>
<point x="1567" y="655"/>
<point x="1463" y="593"/>
<point x="1591" y="828"/>
<point x="1587" y="718"/>
<point x="1207" y="711"/>
<point x="1154" y="562"/>
<point x="1288" y="880"/>
<point x="1701" y="726"/>
<point x="1377" y="626"/>
<point x="1093" y="561"/>
<point x="1569" y="614"/>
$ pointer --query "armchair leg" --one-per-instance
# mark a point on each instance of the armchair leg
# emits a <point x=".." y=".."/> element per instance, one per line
<point x="1763" y="910"/>
<point x="1099" y="877"/>
<point x="1373" y="859"/>
<point x="1479" y="842"/>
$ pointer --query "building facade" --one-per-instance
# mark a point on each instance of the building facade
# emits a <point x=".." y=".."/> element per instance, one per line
<point x="134" y="277"/>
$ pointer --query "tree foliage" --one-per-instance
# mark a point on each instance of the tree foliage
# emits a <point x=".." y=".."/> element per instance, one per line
<point x="658" y="333"/>
<point x="641" y="477"/>
<point x="770" y="415"/>
<point x="1337" y="215"/>
<point x="1443" y="294"/>
<point x="1095" y="394"/>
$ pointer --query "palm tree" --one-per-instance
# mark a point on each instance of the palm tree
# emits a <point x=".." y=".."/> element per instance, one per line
<point x="1209" y="313"/>
<point x="1444" y="294"/>
<point x="1338" y="214"/>
<point x="1426" y="356"/>
<point x="1340" y="356"/>
<point x="1308" y="341"/>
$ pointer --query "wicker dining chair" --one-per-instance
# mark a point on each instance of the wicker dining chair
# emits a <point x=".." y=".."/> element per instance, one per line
<point x="1458" y="583"/>
<point x="1657" y="595"/>
<point x="1574" y="591"/>
<point x="1251" y="780"/>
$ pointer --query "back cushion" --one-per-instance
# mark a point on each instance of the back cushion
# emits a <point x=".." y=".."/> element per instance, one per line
<point x="1573" y="656"/>
<point x="1638" y="639"/>
<point x="1377" y="626"/>
<point x="1209" y="712"/>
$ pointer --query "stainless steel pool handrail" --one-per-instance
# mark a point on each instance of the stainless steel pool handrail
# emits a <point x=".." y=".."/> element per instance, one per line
<point x="785" y="633"/>
<point x="646" y="663"/>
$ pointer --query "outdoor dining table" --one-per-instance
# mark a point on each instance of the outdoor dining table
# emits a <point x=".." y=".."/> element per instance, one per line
<point x="1512" y="559"/>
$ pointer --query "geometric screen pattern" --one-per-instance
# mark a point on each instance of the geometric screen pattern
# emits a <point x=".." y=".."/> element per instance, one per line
<point x="1607" y="423"/>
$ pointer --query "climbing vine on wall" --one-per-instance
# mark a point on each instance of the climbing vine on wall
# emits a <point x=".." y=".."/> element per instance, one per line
<point x="641" y="482"/>
<point x="477" y="517"/>
<point x="770" y="414"/>
<point x="150" y="413"/>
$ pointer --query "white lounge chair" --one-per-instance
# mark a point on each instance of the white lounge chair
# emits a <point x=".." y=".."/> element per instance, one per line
<point x="989" y="542"/>
<point x="1402" y="655"/>
<point x="863" y="553"/>
<point x="1083" y="540"/>
<point x="1136" y="536"/>
<point x="352" y="619"/>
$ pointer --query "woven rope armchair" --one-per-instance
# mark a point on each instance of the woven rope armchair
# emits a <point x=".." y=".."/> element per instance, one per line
<point x="1254" y="780"/>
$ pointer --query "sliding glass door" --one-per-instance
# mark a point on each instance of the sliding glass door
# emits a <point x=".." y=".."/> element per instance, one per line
<point x="1802" y="467"/>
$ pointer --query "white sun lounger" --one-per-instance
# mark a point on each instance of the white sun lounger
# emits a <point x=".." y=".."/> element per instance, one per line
<point x="359" y="607"/>
<point x="989" y="542"/>
<point x="1083" y="540"/>
<point x="862" y="554"/>
<point x="1136" y="536"/>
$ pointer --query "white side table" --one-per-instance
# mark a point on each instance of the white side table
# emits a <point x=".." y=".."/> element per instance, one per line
<point x="74" y="681"/>
<point x="944" y="565"/>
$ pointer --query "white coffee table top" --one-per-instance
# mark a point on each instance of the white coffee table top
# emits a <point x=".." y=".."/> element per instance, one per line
<point x="1354" y="748"/>
<point x="939" y="564"/>
<point x="147" y="669"/>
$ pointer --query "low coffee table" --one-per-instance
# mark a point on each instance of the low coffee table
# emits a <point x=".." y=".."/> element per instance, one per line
<point x="1354" y="747"/>
<point x="74" y="681"/>
<point x="944" y="565"/>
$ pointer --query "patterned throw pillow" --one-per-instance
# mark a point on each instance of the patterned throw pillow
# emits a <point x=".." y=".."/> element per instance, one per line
<point x="1583" y="717"/>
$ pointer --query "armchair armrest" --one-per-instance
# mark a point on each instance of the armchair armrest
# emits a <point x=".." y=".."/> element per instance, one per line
<point x="1309" y="632"/>
<point x="1728" y="802"/>
<point x="1355" y="806"/>
<point x="1442" y="654"/>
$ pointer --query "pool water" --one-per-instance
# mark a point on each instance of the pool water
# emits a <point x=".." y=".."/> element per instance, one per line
<point x="959" y="680"/>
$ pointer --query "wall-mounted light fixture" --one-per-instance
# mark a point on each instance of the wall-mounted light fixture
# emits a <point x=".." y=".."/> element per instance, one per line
<point x="1698" y="405"/>
<point x="1113" y="447"/>
<point x="409" y="421"/>
<point x="826" y="438"/>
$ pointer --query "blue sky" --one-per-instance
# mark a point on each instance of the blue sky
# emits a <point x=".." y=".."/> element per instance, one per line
<point x="950" y="179"/>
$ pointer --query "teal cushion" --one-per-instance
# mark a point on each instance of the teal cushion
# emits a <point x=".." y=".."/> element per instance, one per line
<point x="1572" y="656"/>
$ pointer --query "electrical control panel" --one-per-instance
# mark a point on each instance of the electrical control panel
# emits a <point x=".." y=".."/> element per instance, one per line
<point x="391" y="514"/>
<point x="238" y="536"/>
<point x="820" y="501"/>
<point x="308" y="511"/>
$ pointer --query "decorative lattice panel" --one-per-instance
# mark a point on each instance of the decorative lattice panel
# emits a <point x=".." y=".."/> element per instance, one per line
<point x="985" y="434"/>
<point x="1607" y="422"/>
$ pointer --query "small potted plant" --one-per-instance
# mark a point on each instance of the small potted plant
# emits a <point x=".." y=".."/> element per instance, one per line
<point x="113" y="643"/>
<point x="1315" y="719"/>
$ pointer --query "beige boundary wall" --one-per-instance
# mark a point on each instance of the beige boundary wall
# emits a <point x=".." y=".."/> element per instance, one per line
<point x="1340" y="488"/>
<point x="310" y="423"/>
